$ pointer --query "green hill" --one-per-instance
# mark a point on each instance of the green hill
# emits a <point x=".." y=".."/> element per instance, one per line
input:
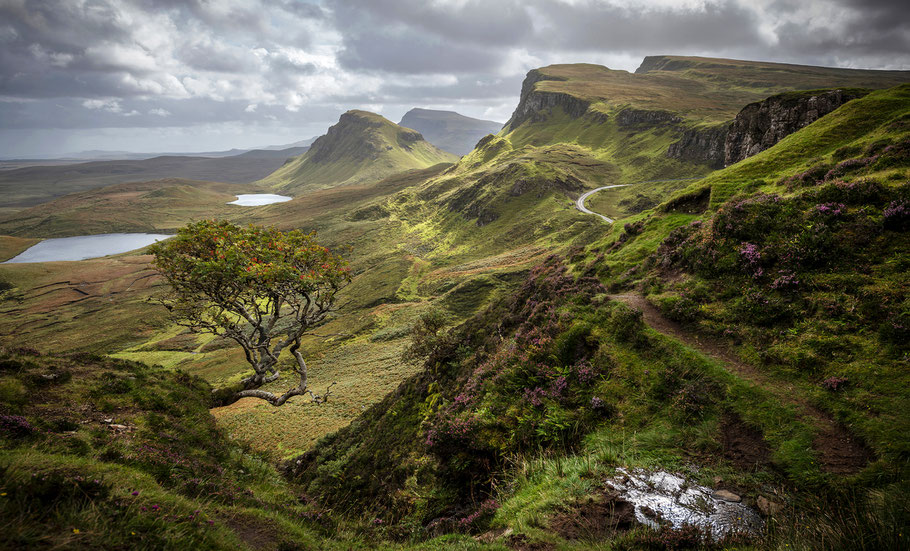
<point x="792" y="296"/>
<point x="362" y="147"/>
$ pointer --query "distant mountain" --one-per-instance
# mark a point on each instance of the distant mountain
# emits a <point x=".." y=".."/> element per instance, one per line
<point x="362" y="147"/>
<point x="449" y="130"/>
<point x="302" y="143"/>
<point x="112" y="155"/>
<point x="274" y="153"/>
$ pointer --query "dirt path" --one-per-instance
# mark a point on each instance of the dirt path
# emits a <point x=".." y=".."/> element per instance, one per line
<point x="838" y="451"/>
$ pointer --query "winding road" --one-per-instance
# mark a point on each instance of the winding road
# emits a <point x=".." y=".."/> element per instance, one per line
<point x="580" y="203"/>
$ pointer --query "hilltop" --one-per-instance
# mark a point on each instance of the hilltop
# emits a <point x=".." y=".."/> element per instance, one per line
<point x="361" y="147"/>
<point x="448" y="130"/>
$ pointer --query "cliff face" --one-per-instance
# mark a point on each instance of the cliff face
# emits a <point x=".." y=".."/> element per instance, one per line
<point x="762" y="124"/>
<point x="757" y="127"/>
<point x="533" y="103"/>
<point x="702" y="145"/>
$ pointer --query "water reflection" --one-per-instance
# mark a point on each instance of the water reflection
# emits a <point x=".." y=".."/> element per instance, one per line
<point x="85" y="246"/>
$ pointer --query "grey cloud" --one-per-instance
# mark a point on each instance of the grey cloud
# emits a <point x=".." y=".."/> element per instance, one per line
<point x="199" y="62"/>
<point x="406" y="51"/>
<point x="612" y="28"/>
<point x="303" y="9"/>
<point x="73" y="114"/>
<point x="481" y="22"/>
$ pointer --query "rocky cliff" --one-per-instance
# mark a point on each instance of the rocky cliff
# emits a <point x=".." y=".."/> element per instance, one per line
<point x="758" y="126"/>
<point x="533" y="103"/>
<point x="701" y="145"/>
<point x="762" y="124"/>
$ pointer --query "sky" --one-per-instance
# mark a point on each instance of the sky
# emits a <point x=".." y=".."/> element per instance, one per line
<point x="208" y="75"/>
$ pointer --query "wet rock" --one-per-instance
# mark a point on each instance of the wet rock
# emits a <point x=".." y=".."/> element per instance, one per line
<point x="727" y="495"/>
<point x="664" y="498"/>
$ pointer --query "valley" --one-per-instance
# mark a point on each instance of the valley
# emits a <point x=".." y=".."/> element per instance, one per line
<point x="732" y="307"/>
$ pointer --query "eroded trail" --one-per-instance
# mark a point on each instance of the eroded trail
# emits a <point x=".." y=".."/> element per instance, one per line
<point x="838" y="451"/>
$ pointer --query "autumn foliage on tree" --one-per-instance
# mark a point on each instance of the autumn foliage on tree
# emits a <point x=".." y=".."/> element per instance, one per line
<point x="258" y="286"/>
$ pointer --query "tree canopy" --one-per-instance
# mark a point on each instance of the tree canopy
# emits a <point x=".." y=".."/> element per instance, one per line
<point x="261" y="287"/>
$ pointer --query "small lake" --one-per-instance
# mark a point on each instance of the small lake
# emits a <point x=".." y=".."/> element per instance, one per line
<point x="84" y="247"/>
<point x="259" y="199"/>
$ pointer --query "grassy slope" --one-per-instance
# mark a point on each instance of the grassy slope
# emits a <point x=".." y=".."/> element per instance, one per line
<point x="596" y="147"/>
<point x="363" y="147"/>
<point x="861" y="273"/>
<point x="467" y="419"/>
<point x="168" y="478"/>
<point x="11" y="246"/>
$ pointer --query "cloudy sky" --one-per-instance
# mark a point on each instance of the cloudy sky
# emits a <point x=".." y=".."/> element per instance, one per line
<point x="202" y="75"/>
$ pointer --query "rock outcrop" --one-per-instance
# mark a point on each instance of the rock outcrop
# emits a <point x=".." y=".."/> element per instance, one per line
<point x="701" y="145"/>
<point x="757" y="127"/>
<point x="642" y="117"/>
<point x="533" y="104"/>
<point x="762" y="124"/>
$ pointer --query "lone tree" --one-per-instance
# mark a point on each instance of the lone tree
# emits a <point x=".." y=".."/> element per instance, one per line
<point x="261" y="287"/>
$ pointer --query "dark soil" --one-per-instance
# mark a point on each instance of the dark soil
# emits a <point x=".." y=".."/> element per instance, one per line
<point x="840" y="452"/>
<point x="743" y="444"/>
<point x="255" y="533"/>
<point x="595" y="519"/>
